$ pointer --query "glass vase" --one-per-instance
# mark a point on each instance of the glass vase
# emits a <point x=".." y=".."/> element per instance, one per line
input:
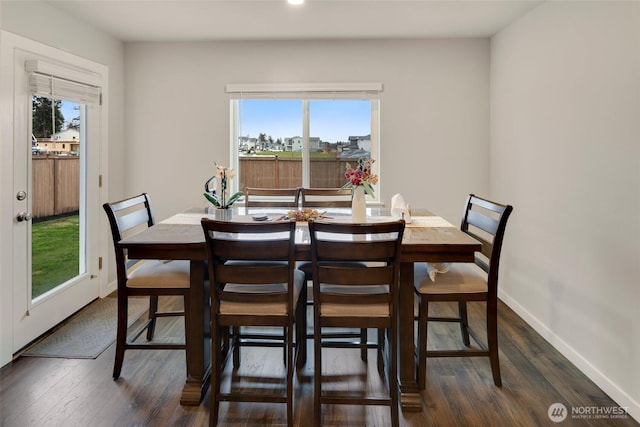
<point x="358" y="205"/>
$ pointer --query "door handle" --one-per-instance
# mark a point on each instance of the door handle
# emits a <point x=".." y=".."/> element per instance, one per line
<point x="24" y="216"/>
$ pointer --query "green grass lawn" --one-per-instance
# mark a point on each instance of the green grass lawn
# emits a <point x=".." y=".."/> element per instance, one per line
<point x="55" y="251"/>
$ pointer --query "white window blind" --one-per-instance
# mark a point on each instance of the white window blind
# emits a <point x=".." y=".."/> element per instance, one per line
<point x="304" y="91"/>
<point x="42" y="82"/>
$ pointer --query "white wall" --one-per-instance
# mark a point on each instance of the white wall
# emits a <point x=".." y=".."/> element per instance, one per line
<point x="45" y="24"/>
<point x="565" y="151"/>
<point x="39" y="21"/>
<point x="434" y="111"/>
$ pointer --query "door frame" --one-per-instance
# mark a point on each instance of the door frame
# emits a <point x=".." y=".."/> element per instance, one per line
<point x="9" y="45"/>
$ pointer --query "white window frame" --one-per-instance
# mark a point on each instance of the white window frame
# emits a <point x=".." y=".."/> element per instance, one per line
<point x="305" y="92"/>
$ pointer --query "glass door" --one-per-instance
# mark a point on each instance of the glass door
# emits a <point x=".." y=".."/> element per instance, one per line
<point x="56" y="182"/>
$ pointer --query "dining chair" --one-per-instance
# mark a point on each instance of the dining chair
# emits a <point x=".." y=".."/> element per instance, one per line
<point x="363" y="295"/>
<point x="319" y="198"/>
<point x="271" y="197"/>
<point x="152" y="278"/>
<point x="254" y="283"/>
<point x="485" y="221"/>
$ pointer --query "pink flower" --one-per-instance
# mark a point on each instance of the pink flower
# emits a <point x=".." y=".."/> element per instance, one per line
<point x="361" y="175"/>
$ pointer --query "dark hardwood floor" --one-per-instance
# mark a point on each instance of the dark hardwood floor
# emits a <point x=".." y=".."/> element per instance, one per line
<point x="47" y="392"/>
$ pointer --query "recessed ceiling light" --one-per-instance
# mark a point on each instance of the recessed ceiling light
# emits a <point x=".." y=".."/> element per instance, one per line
<point x="295" y="1"/>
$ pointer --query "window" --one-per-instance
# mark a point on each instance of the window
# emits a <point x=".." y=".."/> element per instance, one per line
<point x="301" y="138"/>
<point x="58" y="114"/>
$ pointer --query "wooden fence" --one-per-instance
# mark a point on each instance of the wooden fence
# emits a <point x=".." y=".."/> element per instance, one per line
<point x="284" y="172"/>
<point x="56" y="185"/>
<point x="56" y="179"/>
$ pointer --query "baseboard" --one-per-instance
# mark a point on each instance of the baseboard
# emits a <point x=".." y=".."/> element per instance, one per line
<point x="109" y="289"/>
<point x="609" y="387"/>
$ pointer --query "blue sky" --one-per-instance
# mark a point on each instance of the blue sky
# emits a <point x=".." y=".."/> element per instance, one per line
<point x="68" y="111"/>
<point x="330" y="120"/>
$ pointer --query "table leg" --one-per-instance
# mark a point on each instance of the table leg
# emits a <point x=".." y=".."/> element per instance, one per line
<point x="198" y="339"/>
<point x="409" y="392"/>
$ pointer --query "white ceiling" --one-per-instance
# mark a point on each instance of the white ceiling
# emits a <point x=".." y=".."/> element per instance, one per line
<point x="204" y="20"/>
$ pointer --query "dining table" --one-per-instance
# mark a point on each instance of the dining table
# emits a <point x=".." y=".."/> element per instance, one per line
<point x="427" y="238"/>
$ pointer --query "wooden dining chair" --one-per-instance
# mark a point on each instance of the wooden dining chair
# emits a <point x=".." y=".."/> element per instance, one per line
<point x="271" y="197"/>
<point x="152" y="278"/>
<point x="322" y="198"/>
<point x="486" y="222"/>
<point x="362" y="295"/>
<point x="254" y="283"/>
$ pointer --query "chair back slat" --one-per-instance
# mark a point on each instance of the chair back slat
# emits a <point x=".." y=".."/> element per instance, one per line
<point x="337" y="275"/>
<point x="487" y="204"/>
<point x="258" y="274"/>
<point x="252" y="250"/>
<point x="482" y="221"/>
<point x="271" y="197"/>
<point x="133" y="220"/>
<point x="381" y="251"/>
<point x="126" y="204"/>
<point x="372" y="228"/>
<point x="325" y="197"/>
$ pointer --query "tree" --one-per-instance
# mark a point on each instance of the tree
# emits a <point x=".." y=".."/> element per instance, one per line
<point x="41" y="115"/>
<point x="262" y="139"/>
<point x="75" y="122"/>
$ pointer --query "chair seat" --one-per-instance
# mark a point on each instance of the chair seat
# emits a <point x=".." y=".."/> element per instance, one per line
<point x="269" y="309"/>
<point x="355" y="310"/>
<point x="461" y="278"/>
<point x="160" y="274"/>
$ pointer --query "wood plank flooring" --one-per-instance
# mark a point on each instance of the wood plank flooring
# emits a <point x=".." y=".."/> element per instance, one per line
<point x="42" y="392"/>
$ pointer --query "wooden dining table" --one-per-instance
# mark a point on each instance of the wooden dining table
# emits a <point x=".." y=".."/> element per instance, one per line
<point x="427" y="237"/>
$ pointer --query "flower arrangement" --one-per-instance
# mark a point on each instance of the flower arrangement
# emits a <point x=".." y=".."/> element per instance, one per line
<point x="304" y="214"/>
<point x="219" y="195"/>
<point x="361" y="175"/>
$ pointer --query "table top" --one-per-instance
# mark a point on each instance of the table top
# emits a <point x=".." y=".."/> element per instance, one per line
<point x="427" y="237"/>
